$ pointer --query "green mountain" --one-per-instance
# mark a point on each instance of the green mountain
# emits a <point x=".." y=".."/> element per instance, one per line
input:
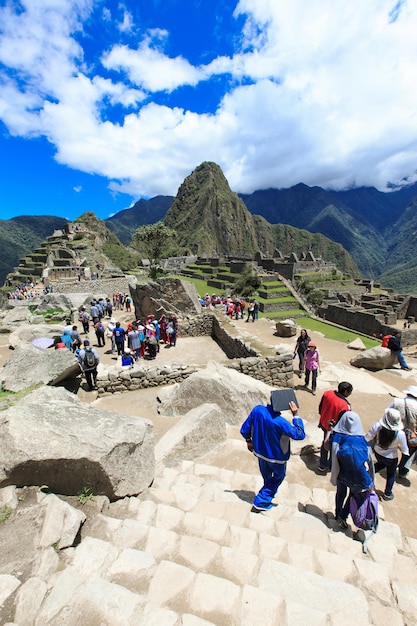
<point x="124" y="223"/>
<point x="210" y="219"/>
<point x="21" y="235"/>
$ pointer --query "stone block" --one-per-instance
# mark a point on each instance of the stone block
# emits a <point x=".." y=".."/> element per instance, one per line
<point x="28" y="601"/>
<point x="197" y="552"/>
<point x="92" y="557"/>
<point x="271" y="547"/>
<point x="301" y="556"/>
<point x="238" y="566"/>
<point x="168" y="517"/>
<point x="145" y="510"/>
<point x="217" y="597"/>
<point x="132" y="569"/>
<point x="170" y="580"/>
<point x="260" y="607"/>
<point x="334" y="566"/>
<point x="206" y="527"/>
<point x="244" y="539"/>
<point x="375" y="579"/>
<point x="317" y="592"/>
<point x="161" y="543"/>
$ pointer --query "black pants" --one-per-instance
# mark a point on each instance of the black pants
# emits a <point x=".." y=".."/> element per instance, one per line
<point x="91" y="378"/>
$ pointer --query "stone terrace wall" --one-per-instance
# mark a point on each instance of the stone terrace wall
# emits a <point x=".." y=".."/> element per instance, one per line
<point x="108" y="286"/>
<point x="275" y="369"/>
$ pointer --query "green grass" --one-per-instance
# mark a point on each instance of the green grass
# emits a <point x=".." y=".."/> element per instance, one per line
<point x="334" y="332"/>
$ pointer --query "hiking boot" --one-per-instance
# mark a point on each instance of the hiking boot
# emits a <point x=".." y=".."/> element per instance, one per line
<point x="386" y="496"/>
<point x="342" y="522"/>
<point x="323" y="470"/>
<point x="407" y="369"/>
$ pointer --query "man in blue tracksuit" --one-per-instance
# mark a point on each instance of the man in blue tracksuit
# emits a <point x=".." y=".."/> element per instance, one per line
<point x="268" y="436"/>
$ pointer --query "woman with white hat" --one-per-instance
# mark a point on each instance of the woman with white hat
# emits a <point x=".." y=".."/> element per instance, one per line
<point x="408" y="408"/>
<point x="389" y="435"/>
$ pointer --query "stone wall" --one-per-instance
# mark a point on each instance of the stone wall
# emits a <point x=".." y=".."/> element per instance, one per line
<point x="107" y="286"/>
<point x="275" y="368"/>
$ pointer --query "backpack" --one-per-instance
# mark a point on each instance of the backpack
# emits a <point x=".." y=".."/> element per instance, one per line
<point x="89" y="358"/>
<point x="363" y="508"/>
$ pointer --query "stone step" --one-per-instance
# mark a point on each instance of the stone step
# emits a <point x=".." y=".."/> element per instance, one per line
<point x="189" y="551"/>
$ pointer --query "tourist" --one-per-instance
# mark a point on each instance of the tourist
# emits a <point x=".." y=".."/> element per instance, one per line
<point x="408" y="410"/>
<point x="134" y="342"/>
<point x="300" y="348"/>
<point x="394" y="344"/>
<point x="311" y="365"/>
<point x="89" y="361"/>
<point x="100" y="333"/>
<point x="332" y="405"/>
<point x="388" y="436"/>
<point x="84" y="318"/>
<point x="76" y="339"/>
<point x="351" y="462"/>
<point x="119" y="334"/>
<point x="267" y="435"/>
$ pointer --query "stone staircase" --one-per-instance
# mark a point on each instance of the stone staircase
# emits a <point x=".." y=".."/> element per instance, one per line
<point x="189" y="551"/>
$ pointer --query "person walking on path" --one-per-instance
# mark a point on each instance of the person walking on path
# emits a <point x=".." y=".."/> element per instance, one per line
<point x="119" y="334"/>
<point x="300" y="348"/>
<point x="311" y="365"/>
<point x="408" y="409"/>
<point x="389" y="436"/>
<point x="89" y="361"/>
<point x="394" y="344"/>
<point x="332" y="405"/>
<point x="268" y="435"/>
<point x="351" y="462"/>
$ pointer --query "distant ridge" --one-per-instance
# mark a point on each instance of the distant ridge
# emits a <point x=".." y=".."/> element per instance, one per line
<point x="21" y="235"/>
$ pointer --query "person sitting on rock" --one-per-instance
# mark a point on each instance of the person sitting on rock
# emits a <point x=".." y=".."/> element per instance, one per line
<point x="394" y="344"/>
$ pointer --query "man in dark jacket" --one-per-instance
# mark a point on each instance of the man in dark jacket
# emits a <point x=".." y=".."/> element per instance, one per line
<point x="268" y="436"/>
<point x="394" y="344"/>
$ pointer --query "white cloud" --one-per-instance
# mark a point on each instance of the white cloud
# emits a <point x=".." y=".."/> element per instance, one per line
<point x="323" y="92"/>
<point x="151" y="69"/>
<point x="78" y="189"/>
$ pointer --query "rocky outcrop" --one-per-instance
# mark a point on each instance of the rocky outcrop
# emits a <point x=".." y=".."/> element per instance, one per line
<point x="198" y="432"/>
<point x="286" y="328"/>
<point x="51" y="438"/>
<point x="166" y="295"/>
<point x="235" y="393"/>
<point x="29" y="366"/>
<point x="378" y="358"/>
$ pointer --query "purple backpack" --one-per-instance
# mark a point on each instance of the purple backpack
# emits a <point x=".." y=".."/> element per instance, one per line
<point x="363" y="509"/>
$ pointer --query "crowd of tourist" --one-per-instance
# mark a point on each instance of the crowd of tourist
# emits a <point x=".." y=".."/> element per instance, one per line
<point x="233" y="307"/>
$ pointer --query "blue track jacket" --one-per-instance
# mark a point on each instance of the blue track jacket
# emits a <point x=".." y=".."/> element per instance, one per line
<point x="271" y="433"/>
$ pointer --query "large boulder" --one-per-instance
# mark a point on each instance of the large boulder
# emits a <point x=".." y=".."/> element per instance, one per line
<point x="51" y="438"/>
<point x="378" y="358"/>
<point x="198" y="432"/>
<point x="25" y="333"/>
<point x="286" y="328"/>
<point x="29" y="366"/>
<point x="235" y="393"/>
<point x="165" y="295"/>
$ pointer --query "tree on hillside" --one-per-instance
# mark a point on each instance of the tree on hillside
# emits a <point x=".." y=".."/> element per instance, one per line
<point x="247" y="283"/>
<point x="153" y="240"/>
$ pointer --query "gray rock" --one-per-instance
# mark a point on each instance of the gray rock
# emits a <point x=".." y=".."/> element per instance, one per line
<point x="378" y="358"/>
<point x="286" y="328"/>
<point x="199" y="431"/>
<point x="169" y="295"/>
<point x="28" y="366"/>
<point x="356" y="344"/>
<point x="25" y="333"/>
<point x="235" y="393"/>
<point x="52" y="438"/>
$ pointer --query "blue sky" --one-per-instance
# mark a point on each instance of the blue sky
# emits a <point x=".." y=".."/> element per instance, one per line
<point x="104" y="102"/>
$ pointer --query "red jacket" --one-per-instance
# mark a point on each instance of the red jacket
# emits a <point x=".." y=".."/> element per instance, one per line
<point x="332" y="404"/>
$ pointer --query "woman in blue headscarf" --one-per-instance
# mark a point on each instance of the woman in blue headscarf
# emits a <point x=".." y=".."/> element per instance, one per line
<point x="351" y="462"/>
